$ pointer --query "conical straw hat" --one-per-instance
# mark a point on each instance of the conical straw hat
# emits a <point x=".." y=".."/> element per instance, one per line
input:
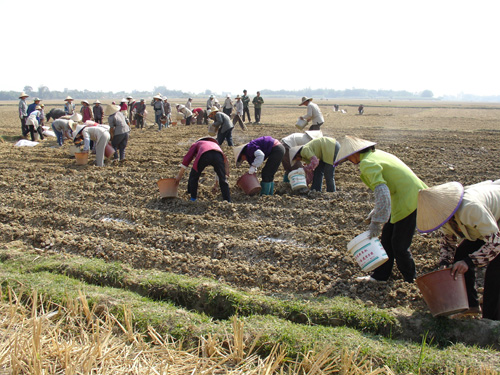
<point x="237" y="152"/>
<point x="350" y="145"/>
<point x="111" y="109"/>
<point x="436" y="205"/>
<point x="293" y="152"/>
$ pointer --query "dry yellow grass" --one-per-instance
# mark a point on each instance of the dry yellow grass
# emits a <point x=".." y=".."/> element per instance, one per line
<point x="72" y="339"/>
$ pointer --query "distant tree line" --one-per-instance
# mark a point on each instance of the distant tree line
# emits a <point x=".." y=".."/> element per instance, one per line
<point x="44" y="92"/>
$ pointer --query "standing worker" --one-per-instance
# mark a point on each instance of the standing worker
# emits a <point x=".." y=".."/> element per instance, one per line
<point x="119" y="129"/>
<point x="395" y="187"/>
<point x="98" y="112"/>
<point x="468" y="219"/>
<point x="257" y="103"/>
<point x="86" y="111"/>
<point x="140" y="109"/>
<point x="255" y="152"/>
<point x="246" y="102"/>
<point x="159" y="110"/>
<point x="205" y="152"/>
<point x="313" y="114"/>
<point x="23" y="113"/>
<point x="238" y="106"/>
<point x="69" y="106"/>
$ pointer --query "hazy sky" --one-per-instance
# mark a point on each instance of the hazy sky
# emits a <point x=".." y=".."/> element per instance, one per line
<point x="448" y="47"/>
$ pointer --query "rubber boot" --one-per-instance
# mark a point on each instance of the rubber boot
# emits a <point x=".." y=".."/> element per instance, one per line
<point x="267" y="188"/>
<point x="285" y="177"/>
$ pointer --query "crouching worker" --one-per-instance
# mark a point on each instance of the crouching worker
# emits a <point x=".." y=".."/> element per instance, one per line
<point x="292" y="140"/>
<point x="255" y="152"/>
<point x="206" y="151"/>
<point x="319" y="156"/>
<point x="468" y="219"/>
<point x="62" y="128"/>
<point x="97" y="133"/>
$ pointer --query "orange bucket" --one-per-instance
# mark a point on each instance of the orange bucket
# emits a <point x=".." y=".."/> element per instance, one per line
<point x="109" y="151"/>
<point x="442" y="293"/>
<point x="249" y="183"/>
<point x="168" y="187"/>
<point x="82" y="158"/>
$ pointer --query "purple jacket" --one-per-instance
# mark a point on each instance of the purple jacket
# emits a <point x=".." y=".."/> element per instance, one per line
<point x="265" y="144"/>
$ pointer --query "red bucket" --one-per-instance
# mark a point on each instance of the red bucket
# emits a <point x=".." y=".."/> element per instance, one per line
<point x="442" y="293"/>
<point x="168" y="187"/>
<point x="249" y="183"/>
<point x="109" y="151"/>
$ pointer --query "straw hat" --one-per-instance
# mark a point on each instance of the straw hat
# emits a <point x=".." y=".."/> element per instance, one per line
<point x="304" y="99"/>
<point x="68" y="98"/>
<point x="237" y="152"/>
<point x="38" y="107"/>
<point x="77" y="130"/>
<point x="111" y="109"/>
<point x="85" y="101"/>
<point x="129" y="97"/>
<point x="76" y="117"/>
<point x="314" y="133"/>
<point x="97" y="102"/>
<point x="36" y="99"/>
<point x="349" y="146"/>
<point x="436" y="205"/>
<point x="238" y="96"/>
<point x="212" y="110"/>
<point x="293" y="153"/>
<point x="23" y="95"/>
<point x="157" y="97"/>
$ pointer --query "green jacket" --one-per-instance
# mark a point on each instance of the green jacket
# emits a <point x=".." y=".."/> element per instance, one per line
<point x="258" y="101"/>
<point x="379" y="167"/>
<point x="323" y="148"/>
<point x="245" y="99"/>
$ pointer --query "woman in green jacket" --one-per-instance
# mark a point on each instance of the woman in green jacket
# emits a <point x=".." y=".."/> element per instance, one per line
<point x="396" y="190"/>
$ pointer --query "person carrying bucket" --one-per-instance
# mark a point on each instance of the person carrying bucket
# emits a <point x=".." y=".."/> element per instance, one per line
<point x="206" y="151"/>
<point x="395" y="187"/>
<point x="468" y="219"/>
<point x="293" y="140"/>
<point x="313" y="113"/>
<point x="255" y="152"/>
<point x="319" y="155"/>
<point x="97" y="133"/>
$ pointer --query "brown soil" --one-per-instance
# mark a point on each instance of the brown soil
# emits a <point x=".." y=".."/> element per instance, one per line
<point x="281" y="244"/>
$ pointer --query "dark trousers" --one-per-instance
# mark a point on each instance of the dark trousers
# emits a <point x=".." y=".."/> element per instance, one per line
<point x="24" y="128"/>
<point x="31" y="130"/>
<point x="119" y="142"/>
<point x="188" y="120"/>
<point x="326" y="170"/>
<point x="273" y="162"/>
<point x="227" y="135"/>
<point x="227" y="111"/>
<point x="315" y="127"/>
<point x="491" y="296"/>
<point x="216" y="160"/>
<point x="98" y="120"/>
<point x="246" y="111"/>
<point x="257" y="114"/>
<point x="396" y="239"/>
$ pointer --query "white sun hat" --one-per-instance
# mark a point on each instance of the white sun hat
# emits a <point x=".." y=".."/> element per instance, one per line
<point x="111" y="109"/>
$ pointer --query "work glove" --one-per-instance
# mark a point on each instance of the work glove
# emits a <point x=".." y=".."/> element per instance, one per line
<point x="375" y="229"/>
<point x="252" y="170"/>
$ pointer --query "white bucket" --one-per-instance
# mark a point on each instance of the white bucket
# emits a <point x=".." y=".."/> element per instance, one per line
<point x="301" y="124"/>
<point x="367" y="251"/>
<point x="297" y="179"/>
